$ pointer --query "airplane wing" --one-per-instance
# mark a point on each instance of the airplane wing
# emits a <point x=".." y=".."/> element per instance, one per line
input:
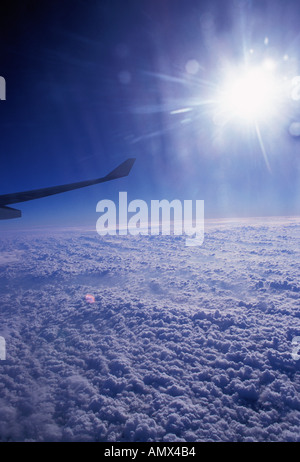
<point x="14" y="198"/>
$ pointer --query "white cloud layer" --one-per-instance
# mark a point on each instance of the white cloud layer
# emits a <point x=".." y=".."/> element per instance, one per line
<point x="181" y="344"/>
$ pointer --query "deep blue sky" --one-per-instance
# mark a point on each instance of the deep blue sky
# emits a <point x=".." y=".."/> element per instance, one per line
<point x="87" y="88"/>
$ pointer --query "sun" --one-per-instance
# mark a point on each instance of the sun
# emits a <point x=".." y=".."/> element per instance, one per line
<point x="250" y="95"/>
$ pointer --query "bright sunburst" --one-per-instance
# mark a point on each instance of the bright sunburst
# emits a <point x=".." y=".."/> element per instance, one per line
<point x="250" y="95"/>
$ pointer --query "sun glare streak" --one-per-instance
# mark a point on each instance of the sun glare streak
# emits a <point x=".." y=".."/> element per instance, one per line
<point x="181" y="111"/>
<point x="262" y="147"/>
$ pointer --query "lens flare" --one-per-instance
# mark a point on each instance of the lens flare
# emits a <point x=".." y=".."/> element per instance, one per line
<point x="90" y="298"/>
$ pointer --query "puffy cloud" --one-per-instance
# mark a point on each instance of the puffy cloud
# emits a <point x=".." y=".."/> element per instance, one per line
<point x="181" y="344"/>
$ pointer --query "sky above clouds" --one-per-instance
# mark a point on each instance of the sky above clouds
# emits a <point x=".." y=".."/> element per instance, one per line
<point x="90" y="84"/>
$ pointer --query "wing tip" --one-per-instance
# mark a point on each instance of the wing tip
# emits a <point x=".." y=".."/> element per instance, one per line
<point x="122" y="169"/>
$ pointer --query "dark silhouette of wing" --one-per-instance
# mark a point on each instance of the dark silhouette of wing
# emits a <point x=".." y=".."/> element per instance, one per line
<point x="14" y="198"/>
